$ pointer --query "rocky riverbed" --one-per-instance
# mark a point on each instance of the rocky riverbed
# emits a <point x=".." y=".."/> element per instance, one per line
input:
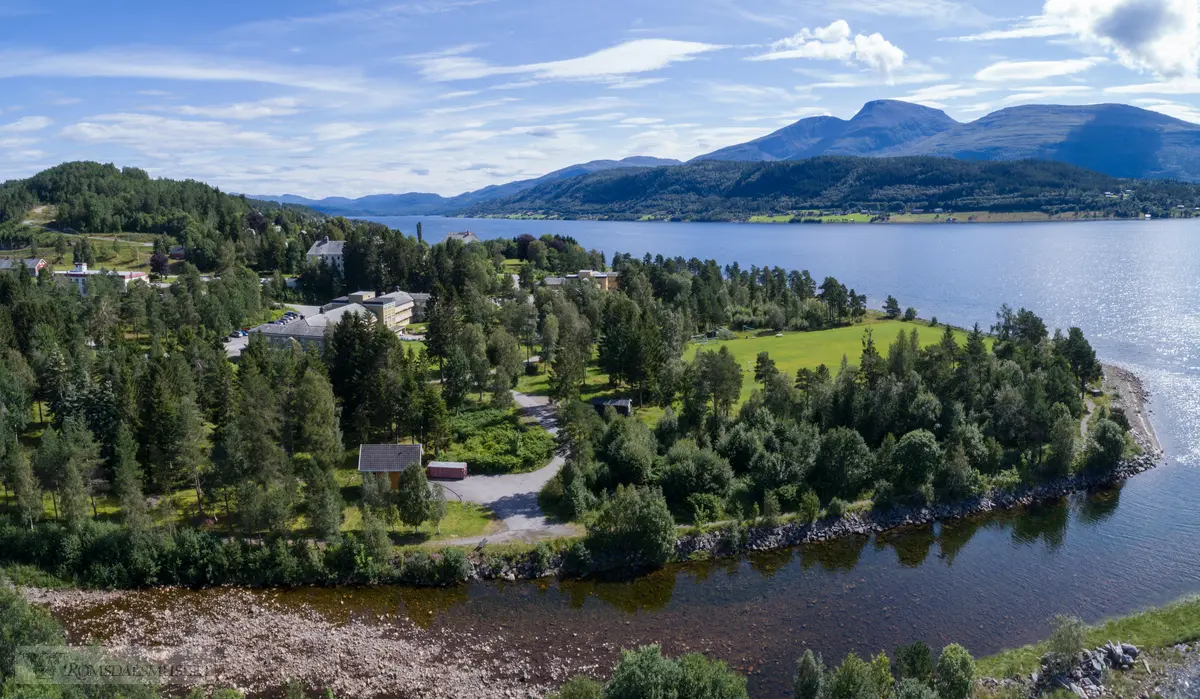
<point x="246" y="640"/>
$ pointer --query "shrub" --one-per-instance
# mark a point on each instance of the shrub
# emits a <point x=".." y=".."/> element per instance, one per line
<point x="836" y="508"/>
<point x="1007" y="481"/>
<point x="1106" y="444"/>
<point x="578" y="560"/>
<point x="885" y="495"/>
<point x="853" y="679"/>
<point x="644" y="673"/>
<point x="810" y="507"/>
<point x="705" y="507"/>
<point x="580" y="688"/>
<point x="915" y="661"/>
<point x="711" y="679"/>
<point x="910" y="688"/>
<point x="453" y="568"/>
<point x="543" y="557"/>
<point x="771" y="509"/>
<point x="633" y="527"/>
<point x="1067" y="639"/>
<point x="955" y="673"/>
<point x="809" y="680"/>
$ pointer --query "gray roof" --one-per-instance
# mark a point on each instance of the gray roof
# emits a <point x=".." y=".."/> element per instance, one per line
<point x="419" y="296"/>
<point x="327" y="247"/>
<point x="311" y="326"/>
<point x="31" y="263"/>
<point x="388" y="458"/>
<point x="554" y="281"/>
<point x="464" y="236"/>
<point x="398" y="297"/>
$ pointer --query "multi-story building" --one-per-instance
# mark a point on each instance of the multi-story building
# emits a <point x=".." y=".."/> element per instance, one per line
<point x="81" y="274"/>
<point x="328" y="250"/>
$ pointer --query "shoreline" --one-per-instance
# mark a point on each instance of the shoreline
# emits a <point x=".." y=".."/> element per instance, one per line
<point x="1094" y="219"/>
<point x="733" y="540"/>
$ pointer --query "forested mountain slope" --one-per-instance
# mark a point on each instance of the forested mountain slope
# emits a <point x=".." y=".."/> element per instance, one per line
<point x="716" y="190"/>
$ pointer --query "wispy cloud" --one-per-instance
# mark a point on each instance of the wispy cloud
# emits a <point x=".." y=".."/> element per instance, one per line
<point x="26" y="124"/>
<point x="1008" y="71"/>
<point x="157" y="134"/>
<point x="625" y="59"/>
<point x="170" y="65"/>
<point x="273" y="107"/>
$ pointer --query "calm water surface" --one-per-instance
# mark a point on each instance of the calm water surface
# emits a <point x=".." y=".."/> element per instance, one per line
<point x="989" y="583"/>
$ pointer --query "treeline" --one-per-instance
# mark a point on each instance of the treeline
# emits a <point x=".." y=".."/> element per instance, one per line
<point x="905" y="424"/>
<point x="714" y="190"/>
<point x="645" y="673"/>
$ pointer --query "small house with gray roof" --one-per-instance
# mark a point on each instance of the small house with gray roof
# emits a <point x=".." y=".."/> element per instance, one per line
<point x="391" y="459"/>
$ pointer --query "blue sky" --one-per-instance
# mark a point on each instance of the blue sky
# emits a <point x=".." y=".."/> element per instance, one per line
<point x="363" y="96"/>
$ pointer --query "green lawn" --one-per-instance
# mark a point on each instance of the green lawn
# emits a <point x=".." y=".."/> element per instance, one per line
<point x="1156" y="628"/>
<point x="463" y="519"/>
<point x="796" y="350"/>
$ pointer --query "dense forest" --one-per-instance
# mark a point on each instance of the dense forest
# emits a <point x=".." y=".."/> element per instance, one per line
<point x="92" y="198"/>
<point x="713" y="190"/>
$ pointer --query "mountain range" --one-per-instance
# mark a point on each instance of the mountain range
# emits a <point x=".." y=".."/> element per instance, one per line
<point x="1113" y="139"/>
<point x="426" y="204"/>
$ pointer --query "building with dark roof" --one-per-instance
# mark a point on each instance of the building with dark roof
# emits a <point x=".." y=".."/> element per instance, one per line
<point x="623" y="406"/>
<point x="32" y="264"/>
<point x="389" y="458"/>
<point x="463" y="237"/>
<point x="309" y="330"/>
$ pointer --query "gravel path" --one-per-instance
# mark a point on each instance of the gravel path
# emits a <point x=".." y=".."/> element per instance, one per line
<point x="513" y="497"/>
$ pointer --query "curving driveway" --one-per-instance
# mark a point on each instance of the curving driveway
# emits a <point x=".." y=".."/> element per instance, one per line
<point x="513" y="497"/>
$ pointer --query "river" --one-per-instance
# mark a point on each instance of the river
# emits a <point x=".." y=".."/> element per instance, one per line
<point x="990" y="583"/>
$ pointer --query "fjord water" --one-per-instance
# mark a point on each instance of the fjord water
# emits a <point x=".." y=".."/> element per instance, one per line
<point x="990" y="583"/>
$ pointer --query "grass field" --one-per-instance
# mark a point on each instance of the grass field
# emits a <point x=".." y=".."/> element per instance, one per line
<point x="793" y="351"/>
<point x="1156" y="628"/>
<point x="796" y="350"/>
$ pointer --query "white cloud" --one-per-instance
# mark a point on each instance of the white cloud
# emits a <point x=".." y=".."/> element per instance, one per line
<point x="26" y="124"/>
<point x="628" y="58"/>
<point x="277" y="106"/>
<point x="1161" y="36"/>
<point x="938" y="93"/>
<point x="158" y="135"/>
<point x="169" y="65"/>
<point x="641" y="121"/>
<point x="339" y="131"/>
<point x="1177" y="86"/>
<point x="1186" y="112"/>
<point x="834" y="43"/>
<point x="1007" y="71"/>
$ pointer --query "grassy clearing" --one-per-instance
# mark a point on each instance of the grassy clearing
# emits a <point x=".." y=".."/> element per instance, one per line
<point x="1163" y="627"/>
<point x="808" y="350"/>
<point x="463" y="519"/>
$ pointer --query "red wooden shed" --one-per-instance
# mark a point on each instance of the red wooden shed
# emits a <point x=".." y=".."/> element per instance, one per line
<point x="447" y="470"/>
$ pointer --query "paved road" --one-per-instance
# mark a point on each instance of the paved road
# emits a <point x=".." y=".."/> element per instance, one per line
<point x="513" y="497"/>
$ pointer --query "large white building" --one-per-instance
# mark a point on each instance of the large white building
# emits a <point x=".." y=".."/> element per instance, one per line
<point x="81" y="274"/>
<point x="328" y="250"/>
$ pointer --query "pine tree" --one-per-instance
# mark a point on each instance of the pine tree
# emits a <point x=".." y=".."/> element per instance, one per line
<point x="127" y="480"/>
<point x="191" y="463"/>
<point x="24" y="485"/>
<point x="315" y="419"/>
<point x="324" y="504"/>
<point x="412" y="496"/>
